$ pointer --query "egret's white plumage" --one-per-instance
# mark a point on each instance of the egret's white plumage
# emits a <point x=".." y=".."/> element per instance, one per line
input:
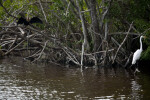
<point x="137" y="54"/>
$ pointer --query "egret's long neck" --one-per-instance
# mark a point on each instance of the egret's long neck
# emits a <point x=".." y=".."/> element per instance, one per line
<point x="141" y="43"/>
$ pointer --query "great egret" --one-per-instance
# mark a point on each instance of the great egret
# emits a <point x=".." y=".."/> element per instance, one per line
<point x="137" y="54"/>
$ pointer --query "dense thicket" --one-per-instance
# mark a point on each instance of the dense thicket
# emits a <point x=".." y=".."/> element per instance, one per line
<point x="82" y="32"/>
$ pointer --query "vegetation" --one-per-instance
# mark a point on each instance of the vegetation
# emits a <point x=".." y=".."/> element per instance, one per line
<point x="81" y="32"/>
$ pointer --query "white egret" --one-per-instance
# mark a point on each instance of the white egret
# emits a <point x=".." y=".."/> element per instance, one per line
<point x="137" y="54"/>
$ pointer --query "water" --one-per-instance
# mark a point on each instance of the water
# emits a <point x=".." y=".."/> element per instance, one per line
<point x="20" y="80"/>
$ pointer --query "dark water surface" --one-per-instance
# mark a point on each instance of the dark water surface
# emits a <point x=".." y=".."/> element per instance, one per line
<point x="20" y="80"/>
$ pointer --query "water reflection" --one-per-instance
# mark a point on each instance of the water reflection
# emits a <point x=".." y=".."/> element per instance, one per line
<point x="23" y="80"/>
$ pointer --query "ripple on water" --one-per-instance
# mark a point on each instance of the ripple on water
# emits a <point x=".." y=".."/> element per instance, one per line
<point x="20" y="80"/>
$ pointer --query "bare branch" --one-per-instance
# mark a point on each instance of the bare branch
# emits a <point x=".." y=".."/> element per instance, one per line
<point x="7" y="11"/>
<point x="122" y="42"/>
<point x="41" y="51"/>
<point x="43" y="11"/>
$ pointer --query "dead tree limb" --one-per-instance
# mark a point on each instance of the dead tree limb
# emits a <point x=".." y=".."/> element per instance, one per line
<point x="13" y="43"/>
<point x="7" y="10"/>
<point x="71" y="56"/>
<point x="41" y="51"/>
<point x="14" y="47"/>
<point x="122" y="42"/>
<point x="85" y="42"/>
<point x="34" y="55"/>
<point x="43" y="11"/>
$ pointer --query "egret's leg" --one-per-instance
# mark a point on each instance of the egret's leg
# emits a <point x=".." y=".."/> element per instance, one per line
<point x="130" y="66"/>
<point x="137" y="64"/>
<point x="136" y="68"/>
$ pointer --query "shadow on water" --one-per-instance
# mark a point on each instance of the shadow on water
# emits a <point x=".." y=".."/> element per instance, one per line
<point x="23" y="80"/>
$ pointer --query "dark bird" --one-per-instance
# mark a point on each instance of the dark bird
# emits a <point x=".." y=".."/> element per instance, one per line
<point x="24" y="21"/>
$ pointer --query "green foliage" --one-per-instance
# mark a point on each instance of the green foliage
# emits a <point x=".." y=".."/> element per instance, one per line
<point x="140" y="14"/>
<point x="141" y="25"/>
<point x="147" y="40"/>
<point x="25" y="44"/>
<point x="136" y="11"/>
<point x="139" y="9"/>
<point x="64" y="21"/>
<point x="146" y="54"/>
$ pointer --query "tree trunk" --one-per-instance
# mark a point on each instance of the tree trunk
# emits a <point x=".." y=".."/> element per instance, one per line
<point x="95" y="26"/>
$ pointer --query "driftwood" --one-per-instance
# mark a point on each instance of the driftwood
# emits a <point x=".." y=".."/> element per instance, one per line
<point x="37" y="46"/>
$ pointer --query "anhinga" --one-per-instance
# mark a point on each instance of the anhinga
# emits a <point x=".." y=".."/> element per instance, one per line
<point x="23" y="20"/>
